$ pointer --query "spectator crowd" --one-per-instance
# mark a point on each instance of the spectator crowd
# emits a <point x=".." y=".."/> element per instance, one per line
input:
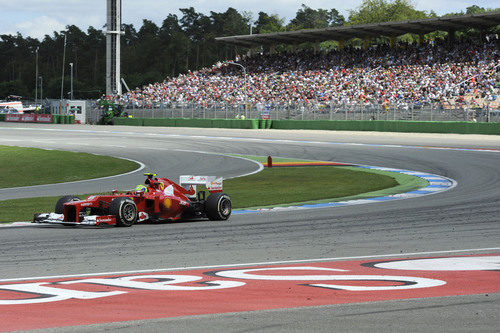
<point x="465" y="71"/>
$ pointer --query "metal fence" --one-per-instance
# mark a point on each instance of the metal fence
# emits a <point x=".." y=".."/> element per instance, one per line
<point x="311" y="112"/>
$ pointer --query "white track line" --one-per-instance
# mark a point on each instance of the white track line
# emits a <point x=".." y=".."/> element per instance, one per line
<point x="254" y="264"/>
<point x="228" y="138"/>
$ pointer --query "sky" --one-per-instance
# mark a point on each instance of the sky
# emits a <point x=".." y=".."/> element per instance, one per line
<point x="36" y="18"/>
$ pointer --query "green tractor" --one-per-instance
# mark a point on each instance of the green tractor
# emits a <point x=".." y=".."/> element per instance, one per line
<point x="111" y="110"/>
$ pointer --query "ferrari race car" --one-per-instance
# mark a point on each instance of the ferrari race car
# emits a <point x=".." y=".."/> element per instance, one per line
<point x="160" y="199"/>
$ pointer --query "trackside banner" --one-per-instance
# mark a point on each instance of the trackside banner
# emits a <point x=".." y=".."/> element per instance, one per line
<point x="29" y="118"/>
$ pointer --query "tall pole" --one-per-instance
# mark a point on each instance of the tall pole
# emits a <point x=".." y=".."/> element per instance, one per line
<point x="246" y="94"/>
<point x="62" y="77"/>
<point x="113" y="50"/>
<point x="41" y="89"/>
<point x="245" y="89"/>
<point x="36" y="77"/>
<point x="71" y="65"/>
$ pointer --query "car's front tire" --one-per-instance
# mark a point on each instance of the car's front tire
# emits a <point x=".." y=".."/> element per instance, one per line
<point x="125" y="211"/>
<point x="62" y="200"/>
<point x="59" y="209"/>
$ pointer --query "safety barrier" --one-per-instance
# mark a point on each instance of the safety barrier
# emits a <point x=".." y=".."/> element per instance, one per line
<point x="184" y="122"/>
<point x="392" y="126"/>
<point x="333" y="125"/>
<point x="63" y="119"/>
<point x="38" y="118"/>
<point x="26" y="118"/>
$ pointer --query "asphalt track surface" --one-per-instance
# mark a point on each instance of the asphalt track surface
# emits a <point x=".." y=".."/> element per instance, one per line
<point x="465" y="217"/>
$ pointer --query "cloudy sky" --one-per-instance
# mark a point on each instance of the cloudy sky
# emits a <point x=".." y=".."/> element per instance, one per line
<point x="36" y="18"/>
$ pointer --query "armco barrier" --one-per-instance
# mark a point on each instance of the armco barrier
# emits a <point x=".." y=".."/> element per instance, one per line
<point x="44" y="118"/>
<point x="162" y="122"/>
<point x="391" y="126"/>
<point x="222" y="123"/>
<point x="28" y="118"/>
<point x="185" y="122"/>
<point x="207" y="123"/>
<point x="335" y="125"/>
<point x="129" y="121"/>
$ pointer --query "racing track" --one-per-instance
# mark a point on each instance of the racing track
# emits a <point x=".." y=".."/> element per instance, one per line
<point x="465" y="217"/>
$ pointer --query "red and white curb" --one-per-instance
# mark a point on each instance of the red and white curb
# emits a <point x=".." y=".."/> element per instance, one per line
<point x="437" y="184"/>
<point x="34" y="303"/>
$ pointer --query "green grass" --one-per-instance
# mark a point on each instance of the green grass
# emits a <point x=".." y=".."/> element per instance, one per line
<point x="297" y="184"/>
<point x="269" y="187"/>
<point x="23" y="209"/>
<point x="32" y="166"/>
<point x="272" y="186"/>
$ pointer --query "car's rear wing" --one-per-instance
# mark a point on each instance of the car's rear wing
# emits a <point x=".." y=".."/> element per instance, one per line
<point x="212" y="183"/>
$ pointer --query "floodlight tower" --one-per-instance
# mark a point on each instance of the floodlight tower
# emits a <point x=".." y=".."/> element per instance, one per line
<point x="113" y="33"/>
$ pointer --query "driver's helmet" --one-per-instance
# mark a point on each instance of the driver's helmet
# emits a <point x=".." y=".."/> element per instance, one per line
<point x="141" y="188"/>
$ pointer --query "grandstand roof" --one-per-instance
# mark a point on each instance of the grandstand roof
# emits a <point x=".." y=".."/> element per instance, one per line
<point x="446" y="23"/>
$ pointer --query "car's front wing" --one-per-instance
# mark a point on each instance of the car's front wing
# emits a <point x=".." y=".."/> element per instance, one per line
<point x="53" y="218"/>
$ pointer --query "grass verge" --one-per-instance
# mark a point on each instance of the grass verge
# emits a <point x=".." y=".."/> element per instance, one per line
<point x="276" y="186"/>
<point x="32" y="166"/>
<point x="271" y="187"/>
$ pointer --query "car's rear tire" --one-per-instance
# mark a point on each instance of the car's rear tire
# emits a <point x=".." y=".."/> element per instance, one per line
<point x="125" y="211"/>
<point x="218" y="206"/>
<point x="62" y="200"/>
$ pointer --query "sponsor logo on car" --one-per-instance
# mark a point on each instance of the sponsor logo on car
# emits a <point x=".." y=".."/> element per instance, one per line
<point x="104" y="219"/>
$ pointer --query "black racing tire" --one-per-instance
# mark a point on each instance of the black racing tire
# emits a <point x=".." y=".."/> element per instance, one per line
<point x="218" y="206"/>
<point x="125" y="211"/>
<point x="62" y="200"/>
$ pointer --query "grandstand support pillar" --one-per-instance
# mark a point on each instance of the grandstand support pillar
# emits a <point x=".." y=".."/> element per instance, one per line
<point x="392" y="41"/>
<point x="451" y="37"/>
<point x="366" y="42"/>
<point x="316" y="47"/>
<point x="113" y="55"/>
<point x="272" y="49"/>
<point x="294" y="48"/>
<point x="341" y="43"/>
<point x="420" y="39"/>
<point x="482" y="35"/>
<point x="252" y="50"/>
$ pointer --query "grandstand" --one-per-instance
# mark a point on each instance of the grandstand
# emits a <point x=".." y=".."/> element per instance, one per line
<point x="482" y="22"/>
<point x="458" y="74"/>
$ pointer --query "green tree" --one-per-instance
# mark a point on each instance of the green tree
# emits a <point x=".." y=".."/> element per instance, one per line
<point x="14" y="87"/>
<point x="174" y="43"/>
<point x="229" y="23"/>
<point x="269" y="23"/>
<point x="376" y="11"/>
<point x="308" y="18"/>
<point x="193" y="25"/>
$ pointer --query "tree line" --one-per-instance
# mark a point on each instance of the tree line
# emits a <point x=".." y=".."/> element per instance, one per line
<point x="154" y="52"/>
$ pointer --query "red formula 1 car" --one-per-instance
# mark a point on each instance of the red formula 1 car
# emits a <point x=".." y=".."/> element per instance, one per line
<point x="160" y="199"/>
